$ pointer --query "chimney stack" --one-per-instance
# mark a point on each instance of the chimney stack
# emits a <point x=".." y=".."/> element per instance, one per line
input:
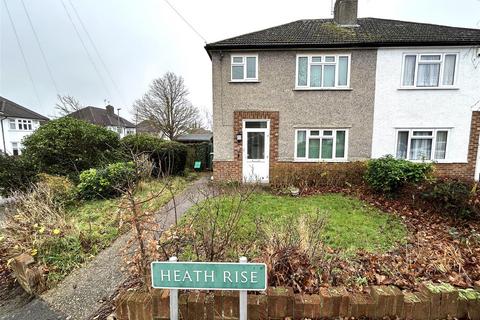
<point x="346" y="12"/>
<point x="110" y="110"/>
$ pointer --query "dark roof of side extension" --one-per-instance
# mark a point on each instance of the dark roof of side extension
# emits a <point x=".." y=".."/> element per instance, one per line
<point x="100" y="117"/>
<point x="15" y="110"/>
<point x="370" y="32"/>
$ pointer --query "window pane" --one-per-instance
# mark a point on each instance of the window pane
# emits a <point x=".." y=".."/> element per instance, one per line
<point x="251" y="67"/>
<point x="329" y="59"/>
<point x="428" y="75"/>
<point x="301" y="143"/>
<point x="441" y="145"/>
<point x="327" y="148"/>
<point x="238" y="59"/>
<point x="329" y="76"/>
<point x="449" y="69"/>
<point x="315" y="133"/>
<point x="421" y="149"/>
<point x="430" y="57"/>
<point x="402" y="145"/>
<point x="12" y="124"/>
<point x="302" y="71"/>
<point x="256" y="124"/>
<point x="315" y="76"/>
<point x="316" y="59"/>
<point x="409" y="70"/>
<point x="340" y="145"/>
<point x="327" y="132"/>
<point x="313" y="148"/>
<point x="422" y="133"/>
<point x="237" y="72"/>
<point x="256" y="145"/>
<point x="342" y="71"/>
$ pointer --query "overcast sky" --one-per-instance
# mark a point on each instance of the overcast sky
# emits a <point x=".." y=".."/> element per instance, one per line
<point x="140" y="40"/>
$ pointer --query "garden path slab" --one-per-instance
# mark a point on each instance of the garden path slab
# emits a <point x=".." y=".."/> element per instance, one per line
<point x="82" y="292"/>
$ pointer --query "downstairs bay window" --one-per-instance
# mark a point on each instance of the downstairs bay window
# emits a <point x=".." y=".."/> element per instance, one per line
<point x="321" y="145"/>
<point x="422" y="144"/>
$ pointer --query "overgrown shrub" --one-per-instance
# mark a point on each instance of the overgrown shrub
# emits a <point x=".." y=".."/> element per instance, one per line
<point x="16" y="173"/>
<point x="316" y="175"/>
<point x="168" y="157"/>
<point x="388" y="175"/>
<point x="62" y="188"/>
<point x="68" y="146"/>
<point x="105" y="182"/>
<point x="452" y="196"/>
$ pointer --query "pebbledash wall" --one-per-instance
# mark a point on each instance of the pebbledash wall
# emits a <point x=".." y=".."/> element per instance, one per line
<point x="275" y="92"/>
<point x="397" y="108"/>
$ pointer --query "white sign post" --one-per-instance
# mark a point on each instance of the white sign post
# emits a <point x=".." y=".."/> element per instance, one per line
<point x="243" y="297"/>
<point x="242" y="276"/>
<point x="173" y="298"/>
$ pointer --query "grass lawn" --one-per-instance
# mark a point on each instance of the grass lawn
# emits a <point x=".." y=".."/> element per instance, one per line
<point x="351" y="224"/>
<point x="96" y="223"/>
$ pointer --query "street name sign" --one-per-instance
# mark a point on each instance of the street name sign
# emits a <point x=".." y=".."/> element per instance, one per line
<point x="209" y="275"/>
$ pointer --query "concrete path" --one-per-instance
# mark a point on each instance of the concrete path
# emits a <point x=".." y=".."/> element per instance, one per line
<point x="81" y="293"/>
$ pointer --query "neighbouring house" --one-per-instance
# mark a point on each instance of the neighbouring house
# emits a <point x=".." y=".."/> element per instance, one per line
<point x="346" y="89"/>
<point x="105" y="118"/>
<point x="16" y="123"/>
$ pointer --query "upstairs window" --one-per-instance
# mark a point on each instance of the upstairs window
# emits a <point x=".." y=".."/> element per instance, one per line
<point x="20" y="124"/>
<point x="321" y="144"/>
<point x="323" y="71"/>
<point x="244" y="68"/>
<point x="429" y="70"/>
<point x="422" y="144"/>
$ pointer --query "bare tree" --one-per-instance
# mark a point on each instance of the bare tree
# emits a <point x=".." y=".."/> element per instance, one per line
<point x="67" y="104"/>
<point x="166" y="105"/>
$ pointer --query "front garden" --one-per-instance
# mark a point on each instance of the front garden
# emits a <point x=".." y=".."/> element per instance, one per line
<point x="359" y="224"/>
<point x="73" y="189"/>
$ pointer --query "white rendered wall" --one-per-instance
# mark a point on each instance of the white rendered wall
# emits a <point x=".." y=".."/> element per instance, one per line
<point x="15" y="135"/>
<point x="424" y="108"/>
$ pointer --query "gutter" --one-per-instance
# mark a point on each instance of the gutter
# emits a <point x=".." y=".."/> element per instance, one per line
<point x="367" y="45"/>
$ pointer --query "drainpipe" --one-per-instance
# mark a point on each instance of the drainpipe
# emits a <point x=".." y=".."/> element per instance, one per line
<point x="2" y="113"/>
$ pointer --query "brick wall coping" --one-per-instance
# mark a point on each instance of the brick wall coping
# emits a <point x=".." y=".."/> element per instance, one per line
<point x="433" y="301"/>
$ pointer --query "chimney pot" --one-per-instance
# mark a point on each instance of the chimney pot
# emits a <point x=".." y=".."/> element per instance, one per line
<point x="110" y="110"/>
<point x="346" y="12"/>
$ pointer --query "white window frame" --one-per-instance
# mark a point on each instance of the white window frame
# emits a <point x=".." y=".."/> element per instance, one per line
<point x="434" y="142"/>
<point x="323" y="63"/>
<point x="16" y="146"/>
<point x="320" y="136"/>
<point x="440" y="76"/>
<point x="30" y="124"/>
<point x="244" y="64"/>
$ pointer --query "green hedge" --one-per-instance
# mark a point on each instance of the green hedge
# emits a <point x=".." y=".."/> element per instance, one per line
<point x="68" y="146"/>
<point x="168" y="157"/>
<point x="388" y="175"/>
<point x="16" y="173"/>
<point x="105" y="182"/>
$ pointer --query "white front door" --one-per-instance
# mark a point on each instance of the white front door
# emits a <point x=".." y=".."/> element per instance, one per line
<point x="256" y="142"/>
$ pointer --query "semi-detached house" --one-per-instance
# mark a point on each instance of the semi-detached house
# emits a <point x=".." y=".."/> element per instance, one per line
<point x="346" y="89"/>
<point x="16" y="123"/>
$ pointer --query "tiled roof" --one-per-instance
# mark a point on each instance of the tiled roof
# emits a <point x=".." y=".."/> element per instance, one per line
<point x="11" y="109"/>
<point x="100" y="117"/>
<point x="195" y="137"/>
<point x="370" y="32"/>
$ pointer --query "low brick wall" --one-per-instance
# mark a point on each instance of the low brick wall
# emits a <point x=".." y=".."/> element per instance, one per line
<point x="432" y="302"/>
